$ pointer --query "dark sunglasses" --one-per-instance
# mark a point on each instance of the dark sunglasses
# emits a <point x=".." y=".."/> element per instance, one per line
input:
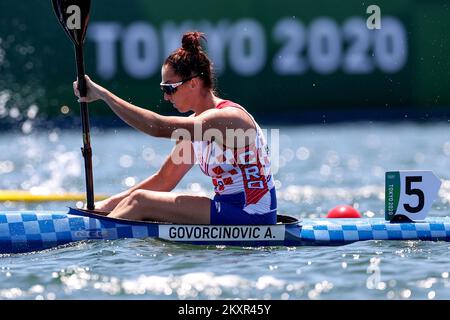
<point x="171" y="88"/>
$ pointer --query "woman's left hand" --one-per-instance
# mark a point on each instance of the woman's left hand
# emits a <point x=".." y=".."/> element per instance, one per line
<point x="94" y="91"/>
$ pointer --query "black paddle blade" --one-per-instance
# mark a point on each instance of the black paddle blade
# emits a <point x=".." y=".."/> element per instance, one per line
<point x="74" y="17"/>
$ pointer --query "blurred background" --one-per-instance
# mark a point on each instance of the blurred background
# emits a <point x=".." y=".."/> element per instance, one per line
<point x="293" y="62"/>
<point x="349" y="103"/>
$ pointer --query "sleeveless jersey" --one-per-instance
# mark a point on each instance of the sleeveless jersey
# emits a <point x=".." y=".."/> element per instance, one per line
<point x="239" y="170"/>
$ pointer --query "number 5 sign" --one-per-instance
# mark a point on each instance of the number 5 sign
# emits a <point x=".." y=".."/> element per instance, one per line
<point x="410" y="194"/>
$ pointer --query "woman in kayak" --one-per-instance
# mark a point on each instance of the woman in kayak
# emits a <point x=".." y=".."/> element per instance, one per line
<point x="220" y="134"/>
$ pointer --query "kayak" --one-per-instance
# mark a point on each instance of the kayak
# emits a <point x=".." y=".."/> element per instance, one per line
<point x="28" y="231"/>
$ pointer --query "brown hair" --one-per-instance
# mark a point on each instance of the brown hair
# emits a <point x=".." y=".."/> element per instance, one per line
<point x="190" y="59"/>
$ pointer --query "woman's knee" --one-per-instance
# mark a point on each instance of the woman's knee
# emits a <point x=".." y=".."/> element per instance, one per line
<point x="134" y="199"/>
<point x="140" y="195"/>
<point x="142" y="199"/>
<point x="132" y="206"/>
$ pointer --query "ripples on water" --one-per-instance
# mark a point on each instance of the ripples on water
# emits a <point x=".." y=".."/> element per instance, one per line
<point x="320" y="167"/>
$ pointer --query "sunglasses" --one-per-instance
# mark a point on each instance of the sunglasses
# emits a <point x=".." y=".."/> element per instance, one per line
<point x="171" y="88"/>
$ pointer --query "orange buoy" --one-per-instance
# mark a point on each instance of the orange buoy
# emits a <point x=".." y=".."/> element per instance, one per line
<point x="343" y="211"/>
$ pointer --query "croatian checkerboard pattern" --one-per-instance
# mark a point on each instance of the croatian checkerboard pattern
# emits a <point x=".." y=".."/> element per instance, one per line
<point x="351" y="230"/>
<point x="32" y="231"/>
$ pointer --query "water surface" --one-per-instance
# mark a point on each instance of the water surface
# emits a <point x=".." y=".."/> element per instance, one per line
<point x="320" y="167"/>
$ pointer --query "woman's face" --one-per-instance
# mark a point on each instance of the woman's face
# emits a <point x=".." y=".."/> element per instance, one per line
<point x="182" y="98"/>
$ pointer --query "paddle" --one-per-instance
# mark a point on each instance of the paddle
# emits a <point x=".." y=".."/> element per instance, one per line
<point x="74" y="18"/>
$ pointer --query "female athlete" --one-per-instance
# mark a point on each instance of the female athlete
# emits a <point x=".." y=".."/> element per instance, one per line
<point x="220" y="135"/>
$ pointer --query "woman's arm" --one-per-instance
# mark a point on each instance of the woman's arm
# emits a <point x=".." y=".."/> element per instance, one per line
<point x="162" y="126"/>
<point x="166" y="179"/>
<point x="141" y="119"/>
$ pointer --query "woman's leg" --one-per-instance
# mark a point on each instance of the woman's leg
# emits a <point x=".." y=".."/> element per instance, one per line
<point x="164" y="207"/>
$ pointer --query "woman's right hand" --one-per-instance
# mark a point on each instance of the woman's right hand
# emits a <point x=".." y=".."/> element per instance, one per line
<point x="94" y="91"/>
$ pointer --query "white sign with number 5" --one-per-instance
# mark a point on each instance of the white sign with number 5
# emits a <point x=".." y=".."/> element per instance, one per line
<point x="410" y="193"/>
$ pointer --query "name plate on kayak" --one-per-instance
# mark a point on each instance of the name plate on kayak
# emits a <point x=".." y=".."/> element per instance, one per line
<point x="410" y="194"/>
<point x="221" y="233"/>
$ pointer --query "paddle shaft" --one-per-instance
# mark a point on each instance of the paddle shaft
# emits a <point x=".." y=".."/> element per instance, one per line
<point x="86" y="150"/>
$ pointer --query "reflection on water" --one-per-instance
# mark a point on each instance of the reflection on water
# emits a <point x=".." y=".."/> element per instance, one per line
<point x="320" y="168"/>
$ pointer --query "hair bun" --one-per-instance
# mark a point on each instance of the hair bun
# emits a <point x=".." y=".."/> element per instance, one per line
<point x="191" y="41"/>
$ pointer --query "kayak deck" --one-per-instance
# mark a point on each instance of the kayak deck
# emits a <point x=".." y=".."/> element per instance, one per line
<point x="37" y="230"/>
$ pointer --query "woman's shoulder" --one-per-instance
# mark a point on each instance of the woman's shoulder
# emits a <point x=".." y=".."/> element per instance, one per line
<point x="232" y="107"/>
<point x="229" y="111"/>
<point x="228" y="103"/>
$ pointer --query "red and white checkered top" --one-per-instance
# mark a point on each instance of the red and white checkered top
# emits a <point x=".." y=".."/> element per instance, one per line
<point x="236" y="170"/>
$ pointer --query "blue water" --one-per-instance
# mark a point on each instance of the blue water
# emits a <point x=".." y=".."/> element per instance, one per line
<point x="319" y="167"/>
